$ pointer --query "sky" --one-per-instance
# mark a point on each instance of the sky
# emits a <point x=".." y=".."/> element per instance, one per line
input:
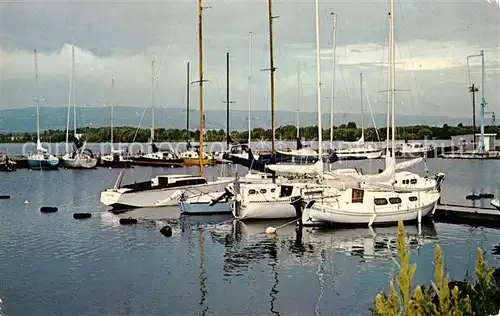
<point x="120" y="39"/>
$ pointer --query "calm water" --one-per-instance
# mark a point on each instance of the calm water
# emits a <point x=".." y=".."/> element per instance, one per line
<point x="51" y="264"/>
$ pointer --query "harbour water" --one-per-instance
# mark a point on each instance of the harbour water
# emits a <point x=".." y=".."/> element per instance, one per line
<point x="51" y="264"/>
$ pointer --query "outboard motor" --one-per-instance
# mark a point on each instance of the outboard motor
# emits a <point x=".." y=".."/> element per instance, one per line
<point x="439" y="180"/>
<point x="228" y="194"/>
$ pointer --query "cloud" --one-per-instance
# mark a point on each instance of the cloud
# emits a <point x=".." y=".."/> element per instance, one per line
<point x="120" y="39"/>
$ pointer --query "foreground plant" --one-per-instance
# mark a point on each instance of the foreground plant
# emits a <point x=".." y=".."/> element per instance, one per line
<point x="443" y="298"/>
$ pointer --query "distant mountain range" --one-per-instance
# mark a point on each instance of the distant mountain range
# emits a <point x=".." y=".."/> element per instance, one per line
<point x="24" y="119"/>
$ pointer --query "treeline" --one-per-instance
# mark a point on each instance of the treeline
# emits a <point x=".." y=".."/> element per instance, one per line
<point x="345" y="132"/>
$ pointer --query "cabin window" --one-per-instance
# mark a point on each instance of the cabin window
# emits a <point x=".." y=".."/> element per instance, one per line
<point x="263" y="191"/>
<point x="413" y="198"/>
<point x="380" y="201"/>
<point x="357" y="195"/>
<point x="251" y="191"/>
<point x="413" y="181"/>
<point x="286" y="190"/>
<point x="273" y="190"/>
<point x="395" y="200"/>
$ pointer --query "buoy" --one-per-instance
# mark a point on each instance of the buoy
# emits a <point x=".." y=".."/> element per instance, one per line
<point x="4" y="197"/>
<point x="270" y="230"/>
<point x="486" y="196"/>
<point x="81" y="215"/>
<point x="166" y="231"/>
<point x="128" y="221"/>
<point x="48" y="209"/>
<point x="26" y="202"/>
<point x="473" y="197"/>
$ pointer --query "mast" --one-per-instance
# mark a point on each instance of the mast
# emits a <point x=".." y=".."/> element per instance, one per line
<point x="36" y="99"/>
<point x="332" y="104"/>
<point x="249" y="86"/>
<point x="473" y="89"/>
<point x="393" y="87"/>
<point x="200" y="71"/>
<point x="187" y="104"/>
<point x="389" y="80"/>
<point x="272" y="69"/>
<point x="112" y="108"/>
<point x="73" y="86"/>
<point x="70" y="94"/>
<point x="318" y="83"/>
<point x="152" y="100"/>
<point x="362" y="109"/>
<point x="297" y="118"/>
<point x="483" y="103"/>
<point x="227" y="100"/>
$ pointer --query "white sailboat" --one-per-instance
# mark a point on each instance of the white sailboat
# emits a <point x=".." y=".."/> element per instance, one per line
<point x="79" y="158"/>
<point x="115" y="158"/>
<point x="377" y="205"/>
<point x="358" y="149"/>
<point x="41" y="159"/>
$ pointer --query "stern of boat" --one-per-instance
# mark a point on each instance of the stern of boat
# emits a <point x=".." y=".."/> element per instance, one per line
<point x="110" y="197"/>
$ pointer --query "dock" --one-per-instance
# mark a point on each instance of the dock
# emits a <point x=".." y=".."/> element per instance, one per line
<point x="472" y="215"/>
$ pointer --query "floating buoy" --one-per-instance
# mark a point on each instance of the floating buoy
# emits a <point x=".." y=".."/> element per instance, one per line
<point x="81" y="215"/>
<point x="166" y="231"/>
<point x="486" y="196"/>
<point x="4" y="197"/>
<point x="271" y="230"/>
<point x="26" y="202"/>
<point x="473" y="197"/>
<point x="128" y="221"/>
<point x="48" y="209"/>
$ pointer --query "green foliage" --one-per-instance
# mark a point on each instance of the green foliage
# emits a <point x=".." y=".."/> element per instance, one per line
<point x="345" y="132"/>
<point x="481" y="298"/>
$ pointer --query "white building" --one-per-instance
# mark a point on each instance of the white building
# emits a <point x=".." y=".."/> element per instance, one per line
<point x="464" y="142"/>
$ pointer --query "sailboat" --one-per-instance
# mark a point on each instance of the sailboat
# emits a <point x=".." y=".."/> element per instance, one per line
<point x="41" y="160"/>
<point x="157" y="157"/>
<point x="190" y="202"/>
<point x="115" y="159"/>
<point x="377" y="205"/>
<point x="79" y="158"/>
<point x="358" y="149"/>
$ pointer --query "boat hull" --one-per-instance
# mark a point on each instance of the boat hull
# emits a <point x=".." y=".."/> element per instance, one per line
<point x="144" y="161"/>
<point x="269" y="210"/>
<point x="203" y="208"/>
<point x="78" y="163"/>
<point x="123" y="199"/>
<point x="116" y="163"/>
<point x="51" y="164"/>
<point x="359" y="155"/>
<point x="385" y="215"/>
<point x="495" y="203"/>
<point x="5" y="167"/>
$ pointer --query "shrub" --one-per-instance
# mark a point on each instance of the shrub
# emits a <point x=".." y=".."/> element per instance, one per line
<point x="442" y="298"/>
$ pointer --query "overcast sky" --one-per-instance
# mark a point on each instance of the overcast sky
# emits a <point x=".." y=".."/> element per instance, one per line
<point x="120" y="39"/>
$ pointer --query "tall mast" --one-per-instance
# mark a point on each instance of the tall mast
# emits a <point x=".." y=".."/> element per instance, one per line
<point x="272" y="69"/>
<point x="73" y="86"/>
<point x="393" y="87"/>
<point x="297" y="118"/>
<point x="152" y="100"/>
<point x="318" y="83"/>
<point x="362" y="109"/>
<point x="389" y="93"/>
<point x="200" y="71"/>
<point x="36" y="99"/>
<point x="70" y="94"/>
<point x="483" y="103"/>
<point x="332" y="104"/>
<point x="188" y="83"/>
<point x="249" y="86"/>
<point x="227" y="100"/>
<point x="112" y="107"/>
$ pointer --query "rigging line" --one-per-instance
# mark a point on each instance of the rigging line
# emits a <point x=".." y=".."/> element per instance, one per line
<point x="371" y="112"/>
